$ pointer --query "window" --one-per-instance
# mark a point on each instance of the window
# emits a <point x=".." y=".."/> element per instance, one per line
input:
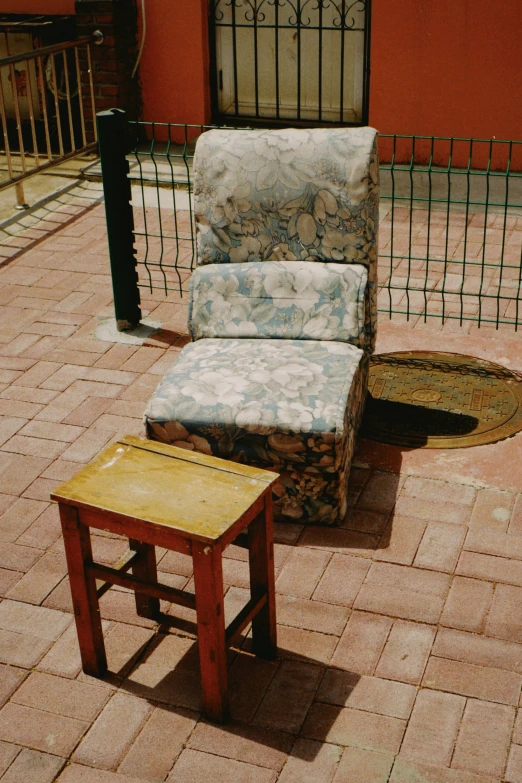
<point x="297" y="60"/>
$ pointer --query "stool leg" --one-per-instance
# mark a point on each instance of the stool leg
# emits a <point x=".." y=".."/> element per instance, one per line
<point x="144" y="567"/>
<point x="78" y="551"/>
<point x="262" y="580"/>
<point x="208" y="580"/>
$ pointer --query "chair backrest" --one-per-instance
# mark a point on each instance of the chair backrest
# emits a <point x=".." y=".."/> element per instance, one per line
<point x="289" y="195"/>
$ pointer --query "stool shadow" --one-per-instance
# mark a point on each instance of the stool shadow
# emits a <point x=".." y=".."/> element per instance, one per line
<point x="273" y="703"/>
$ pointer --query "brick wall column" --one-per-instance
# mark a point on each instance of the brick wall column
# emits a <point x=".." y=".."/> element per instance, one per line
<point x="112" y="61"/>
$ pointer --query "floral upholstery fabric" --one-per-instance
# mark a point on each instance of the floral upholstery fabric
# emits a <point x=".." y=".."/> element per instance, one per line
<point x="291" y="300"/>
<point x="289" y="195"/>
<point x="293" y="406"/>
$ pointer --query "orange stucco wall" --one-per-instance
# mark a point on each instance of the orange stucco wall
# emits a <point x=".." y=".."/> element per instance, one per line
<point x="447" y="67"/>
<point x="175" y="63"/>
<point x="37" y="6"/>
<point x="439" y="67"/>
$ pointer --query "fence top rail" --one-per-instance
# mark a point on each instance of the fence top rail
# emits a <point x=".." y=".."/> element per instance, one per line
<point x="401" y="136"/>
<point x="96" y="38"/>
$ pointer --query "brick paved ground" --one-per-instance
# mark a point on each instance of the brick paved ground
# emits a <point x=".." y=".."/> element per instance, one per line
<point x="400" y="632"/>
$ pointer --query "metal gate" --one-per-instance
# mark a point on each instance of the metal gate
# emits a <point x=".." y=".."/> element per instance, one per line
<point x="290" y="60"/>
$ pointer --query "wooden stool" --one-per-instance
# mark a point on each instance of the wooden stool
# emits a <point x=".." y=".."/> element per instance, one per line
<point x="158" y="495"/>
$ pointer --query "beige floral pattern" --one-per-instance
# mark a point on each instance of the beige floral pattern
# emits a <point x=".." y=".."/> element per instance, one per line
<point x="288" y="405"/>
<point x="289" y="299"/>
<point x="290" y="195"/>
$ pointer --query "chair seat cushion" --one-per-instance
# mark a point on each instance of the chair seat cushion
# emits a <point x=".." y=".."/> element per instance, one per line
<point x="287" y="299"/>
<point x="290" y="405"/>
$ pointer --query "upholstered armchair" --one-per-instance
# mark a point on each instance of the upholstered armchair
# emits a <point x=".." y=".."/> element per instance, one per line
<point x="282" y="311"/>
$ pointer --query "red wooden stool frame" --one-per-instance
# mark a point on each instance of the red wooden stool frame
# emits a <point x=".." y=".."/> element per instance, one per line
<point x="143" y="537"/>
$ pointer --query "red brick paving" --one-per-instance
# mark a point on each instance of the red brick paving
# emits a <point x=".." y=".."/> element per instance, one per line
<point x="400" y="633"/>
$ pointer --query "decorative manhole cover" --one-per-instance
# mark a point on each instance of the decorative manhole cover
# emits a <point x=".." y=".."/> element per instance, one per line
<point x="440" y="400"/>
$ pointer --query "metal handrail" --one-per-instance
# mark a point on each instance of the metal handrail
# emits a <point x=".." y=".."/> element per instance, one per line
<point x="31" y="100"/>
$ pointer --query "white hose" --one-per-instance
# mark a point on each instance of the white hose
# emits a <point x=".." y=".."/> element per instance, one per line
<point x="143" y="34"/>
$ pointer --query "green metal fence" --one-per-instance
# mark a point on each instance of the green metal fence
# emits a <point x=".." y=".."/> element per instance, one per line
<point x="450" y="236"/>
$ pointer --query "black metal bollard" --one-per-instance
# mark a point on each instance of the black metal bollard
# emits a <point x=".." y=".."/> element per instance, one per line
<point x="112" y="135"/>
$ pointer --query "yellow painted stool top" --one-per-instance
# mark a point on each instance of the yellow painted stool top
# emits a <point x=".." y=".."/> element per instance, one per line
<point x="184" y="490"/>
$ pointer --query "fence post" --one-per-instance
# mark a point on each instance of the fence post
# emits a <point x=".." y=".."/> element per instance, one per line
<point x="112" y="136"/>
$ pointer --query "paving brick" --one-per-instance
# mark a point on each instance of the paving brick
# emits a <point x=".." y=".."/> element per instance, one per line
<point x="380" y="492"/>
<point x="468" y="679"/>
<point x="10" y="679"/>
<point x="52" y="431"/>
<point x="467" y="604"/>
<point x="394" y="602"/>
<point x="44" y="531"/>
<point x="194" y="766"/>
<point x="21" y="472"/>
<point x="9" y="425"/>
<point x="495" y="569"/>
<point x="417" y="580"/>
<point x="28" y="394"/>
<point x="440" y="546"/>
<point x="515" y="525"/>
<point x="159" y="744"/>
<point x="18" y="409"/>
<point x="87" y="445"/>
<point x="432" y="510"/>
<point x="253" y="745"/>
<point x="505" y="616"/>
<point x="342" y="580"/>
<point x="366" y="521"/>
<point x="483" y="741"/>
<point x="62" y="696"/>
<point x="34" y="447"/>
<point x="362" y="642"/>
<point x="8" y="579"/>
<point x="345" y="542"/>
<point x="480" y="650"/>
<point x="492" y="509"/>
<point x="113" y="732"/>
<point x="40" y="730"/>
<point x="62" y="405"/>
<point x="440" y="491"/>
<point x="514" y="766"/>
<point x="21" y="649"/>
<point x="370" y="694"/>
<point x="311" y="615"/>
<point x="363" y="766"/>
<point x="406" y="652"/>
<point x="400" y="541"/>
<point x="19" y="517"/>
<point x="311" y="762"/>
<point x="63" y="658"/>
<point x="248" y="681"/>
<point x="301" y="573"/>
<point x="32" y="766"/>
<point x="33" y="620"/>
<point x="289" y="696"/>
<point x="38" y="373"/>
<point x="405" y="771"/>
<point x="354" y="727"/>
<point x="8" y="752"/>
<point x="88" y="411"/>
<point x="301" y="643"/>
<point x="18" y="558"/>
<point x="433" y="727"/>
<point x="40" y="580"/>
<point x="493" y="542"/>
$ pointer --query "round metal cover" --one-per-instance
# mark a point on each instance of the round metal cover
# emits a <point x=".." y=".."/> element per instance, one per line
<point x="423" y="399"/>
